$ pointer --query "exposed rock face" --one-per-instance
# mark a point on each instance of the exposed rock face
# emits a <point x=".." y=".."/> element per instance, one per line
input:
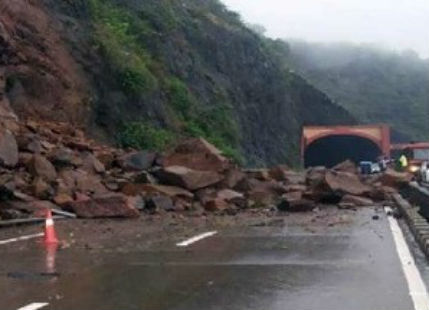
<point x="42" y="75"/>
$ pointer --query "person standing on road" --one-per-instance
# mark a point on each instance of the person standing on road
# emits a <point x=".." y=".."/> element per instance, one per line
<point x="403" y="162"/>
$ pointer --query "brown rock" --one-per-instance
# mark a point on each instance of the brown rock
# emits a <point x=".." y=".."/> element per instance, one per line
<point x="293" y="196"/>
<point x="296" y="188"/>
<point x="345" y="183"/>
<point x="170" y="191"/>
<point x="79" y="145"/>
<point x="315" y="176"/>
<point x="357" y="201"/>
<point x="278" y="173"/>
<point x="91" y="164"/>
<point x="145" y="178"/>
<point x="137" y="161"/>
<point x="197" y="154"/>
<point x="284" y="174"/>
<point x="346" y="166"/>
<point x="231" y="196"/>
<point x="29" y="143"/>
<point x="63" y="199"/>
<point x="188" y="178"/>
<point x="41" y="189"/>
<point x="62" y="157"/>
<point x="24" y="158"/>
<point x="89" y="183"/>
<point x="266" y="193"/>
<point x="106" y="205"/>
<point x="233" y="177"/>
<point x="295" y="178"/>
<point x="258" y="174"/>
<point x="395" y="179"/>
<point x="39" y="166"/>
<point x="160" y="203"/>
<point x="8" y="149"/>
<point x="216" y="204"/>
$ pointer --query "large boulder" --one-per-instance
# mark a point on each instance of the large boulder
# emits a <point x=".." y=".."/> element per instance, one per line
<point x="174" y="192"/>
<point x="39" y="166"/>
<point x="105" y="205"/>
<point x="188" y="178"/>
<point x="8" y="149"/>
<point x="197" y="154"/>
<point x="137" y="161"/>
<point x="346" y="166"/>
<point x="395" y="179"/>
<point x="345" y="183"/>
<point x="315" y="176"/>
<point x="284" y="174"/>
<point x="264" y="193"/>
<point x="233" y="177"/>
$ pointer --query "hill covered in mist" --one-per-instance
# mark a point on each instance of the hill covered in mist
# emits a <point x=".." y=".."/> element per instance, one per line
<point x="374" y="85"/>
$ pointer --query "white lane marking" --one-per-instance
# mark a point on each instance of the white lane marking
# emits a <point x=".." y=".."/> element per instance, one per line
<point x="196" y="238"/>
<point x="2" y="242"/>
<point x="417" y="287"/>
<point x="34" y="306"/>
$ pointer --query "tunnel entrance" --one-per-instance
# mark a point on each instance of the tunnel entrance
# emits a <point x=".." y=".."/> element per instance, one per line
<point x="331" y="150"/>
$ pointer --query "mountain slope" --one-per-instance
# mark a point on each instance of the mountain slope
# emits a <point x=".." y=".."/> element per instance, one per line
<point x="147" y="73"/>
<point x="373" y="85"/>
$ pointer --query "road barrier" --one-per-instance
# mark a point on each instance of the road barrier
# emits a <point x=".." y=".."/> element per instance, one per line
<point x="412" y="208"/>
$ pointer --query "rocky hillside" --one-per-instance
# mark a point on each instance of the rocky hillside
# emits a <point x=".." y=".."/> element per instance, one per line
<point x="372" y="84"/>
<point x="148" y="73"/>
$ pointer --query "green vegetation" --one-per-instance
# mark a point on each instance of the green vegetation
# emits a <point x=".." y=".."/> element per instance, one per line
<point x="116" y="33"/>
<point x="175" y="69"/>
<point x="143" y="135"/>
<point x="120" y="36"/>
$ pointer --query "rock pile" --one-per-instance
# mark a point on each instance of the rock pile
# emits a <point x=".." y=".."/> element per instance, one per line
<point x="53" y="165"/>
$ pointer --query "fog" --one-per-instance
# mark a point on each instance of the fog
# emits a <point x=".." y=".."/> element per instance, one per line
<point x="393" y="24"/>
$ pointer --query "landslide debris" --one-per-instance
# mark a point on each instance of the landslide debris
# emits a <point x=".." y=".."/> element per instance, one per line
<point x="71" y="172"/>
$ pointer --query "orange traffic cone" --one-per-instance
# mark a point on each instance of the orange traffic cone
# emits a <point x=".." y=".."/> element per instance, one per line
<point x="50" y="235"/>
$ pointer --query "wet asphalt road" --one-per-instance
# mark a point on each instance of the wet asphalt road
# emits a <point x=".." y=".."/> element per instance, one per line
<point x="351" y="266"/>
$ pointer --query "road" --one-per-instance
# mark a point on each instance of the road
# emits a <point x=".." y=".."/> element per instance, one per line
<point x="345" y="266"/>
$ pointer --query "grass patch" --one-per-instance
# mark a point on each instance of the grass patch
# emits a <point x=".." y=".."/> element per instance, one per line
<point x="143" y="135"/>
<point x="117" y="34"/>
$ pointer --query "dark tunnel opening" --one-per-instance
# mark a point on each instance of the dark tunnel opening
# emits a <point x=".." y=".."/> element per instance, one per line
<point x="332" y="150"/>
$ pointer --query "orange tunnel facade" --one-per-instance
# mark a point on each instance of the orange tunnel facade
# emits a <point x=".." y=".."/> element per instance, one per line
<point x="327" y="145"/>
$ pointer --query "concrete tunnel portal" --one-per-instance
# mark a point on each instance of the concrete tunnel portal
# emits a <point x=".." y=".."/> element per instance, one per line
<point x="330" y="145"/>
<point x="332" y="150"/>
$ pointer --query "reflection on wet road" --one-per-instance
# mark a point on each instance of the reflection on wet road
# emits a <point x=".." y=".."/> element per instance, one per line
<point x="346" y="267"/>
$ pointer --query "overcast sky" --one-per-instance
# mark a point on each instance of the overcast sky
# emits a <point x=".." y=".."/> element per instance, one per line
<point x="396" y="24"/>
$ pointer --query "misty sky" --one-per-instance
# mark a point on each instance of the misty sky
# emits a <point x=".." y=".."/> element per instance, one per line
<point x="397" y="24"/>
